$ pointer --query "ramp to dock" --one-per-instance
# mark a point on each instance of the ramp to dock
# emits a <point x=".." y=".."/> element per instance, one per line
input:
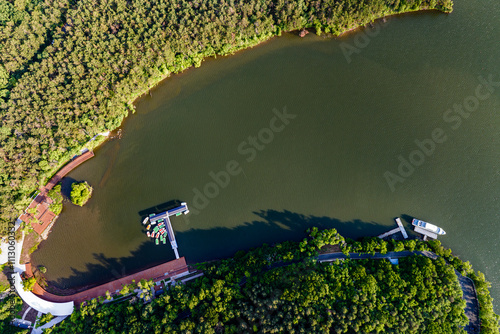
<point x="401" y="227"/>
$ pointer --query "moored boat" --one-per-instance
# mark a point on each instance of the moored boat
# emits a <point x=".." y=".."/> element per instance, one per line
<point x="428" y="226"/>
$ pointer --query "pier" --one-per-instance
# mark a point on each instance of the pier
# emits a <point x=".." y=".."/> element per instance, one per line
<point x="400" y="225"/>
<point x="398" y="229"/>
<point x="166" y="217"/>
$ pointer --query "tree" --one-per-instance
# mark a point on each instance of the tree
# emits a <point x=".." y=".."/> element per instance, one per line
<point x="29" y="283"/>
<point x="80" y="193"/>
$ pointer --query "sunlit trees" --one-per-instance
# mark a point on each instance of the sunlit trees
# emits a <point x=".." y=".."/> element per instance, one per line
<point x="80" y="193"/>
<point x="420" y="295"/>
<point x="70" y="69"/>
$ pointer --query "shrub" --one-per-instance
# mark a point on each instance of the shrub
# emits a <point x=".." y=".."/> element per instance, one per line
<point x="57" y="198"/>
<point x="29" y="283"/>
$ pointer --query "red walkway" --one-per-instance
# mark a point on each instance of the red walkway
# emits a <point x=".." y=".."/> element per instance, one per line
<point x="156" y="273"/>
<point x="43" y="216"/>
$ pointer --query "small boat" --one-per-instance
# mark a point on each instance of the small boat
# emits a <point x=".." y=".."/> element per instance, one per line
<point x="164" y="241"/>
<point x="157" y="242"/>
<point x="152" y="215"/>
<point x="149" y="226"/>
<point x="144" y="222"/>
<point x="428" y="226"/>
<point x="148" y="234"/>
<point x="186" y="212"/>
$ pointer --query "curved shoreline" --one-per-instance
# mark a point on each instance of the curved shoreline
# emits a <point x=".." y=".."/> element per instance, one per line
<point x="466" y="284"/>
<point x="154" y="81"/>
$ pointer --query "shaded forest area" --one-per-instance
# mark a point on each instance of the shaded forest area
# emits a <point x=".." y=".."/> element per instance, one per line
<point x="71" y="69"/>
<point x="281" y="289"/>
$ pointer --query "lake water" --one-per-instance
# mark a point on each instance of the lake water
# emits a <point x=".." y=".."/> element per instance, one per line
<point x="330" y="119"/>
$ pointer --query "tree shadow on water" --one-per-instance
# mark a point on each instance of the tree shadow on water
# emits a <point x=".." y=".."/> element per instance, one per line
<point x="198" y="245"/>
<point x="160" y="208"/>
<point x="106" y="269"/>
<point x="272" y="226"/>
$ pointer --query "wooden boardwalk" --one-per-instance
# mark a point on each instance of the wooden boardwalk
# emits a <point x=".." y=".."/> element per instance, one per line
<point x="159" y="272"/>
<point x="43" y="217"/>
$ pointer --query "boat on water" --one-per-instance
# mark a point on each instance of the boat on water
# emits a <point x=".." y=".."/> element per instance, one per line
<point x="428" y="226"/>
<point x="145" y="221"/>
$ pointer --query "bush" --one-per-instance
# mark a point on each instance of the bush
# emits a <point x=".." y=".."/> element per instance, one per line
<point x="80" y="193"/>
<point x="57" y="198"/>
<point x="29" y="283"/>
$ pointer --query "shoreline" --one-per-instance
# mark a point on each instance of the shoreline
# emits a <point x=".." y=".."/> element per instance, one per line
<point x="155" y="81"/>
<point x="314" y="248"/>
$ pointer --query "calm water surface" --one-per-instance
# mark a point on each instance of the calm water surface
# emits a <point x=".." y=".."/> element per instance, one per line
<point x="352" y="121"/>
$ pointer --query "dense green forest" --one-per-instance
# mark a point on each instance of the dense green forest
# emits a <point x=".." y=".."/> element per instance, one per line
<point x="282" y="289"/>
<point x="70" y="69"/>
<point x="9" y="306"/>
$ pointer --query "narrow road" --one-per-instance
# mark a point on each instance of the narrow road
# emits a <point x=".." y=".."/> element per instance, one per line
<point x="472" y="306"/>
<point x="357" y="256"/>
<point x="469" y="292"/>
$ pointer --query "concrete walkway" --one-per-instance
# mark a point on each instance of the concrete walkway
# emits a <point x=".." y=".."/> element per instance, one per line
<point x="57" y="309"/>
<point x="4" y="257"/>
<point x="51" y="323"/>
<point x="44" y="306"/>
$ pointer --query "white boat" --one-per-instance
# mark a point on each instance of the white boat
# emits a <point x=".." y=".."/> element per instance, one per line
<point x="428" y="226"/>
<point x="145" y="221"/>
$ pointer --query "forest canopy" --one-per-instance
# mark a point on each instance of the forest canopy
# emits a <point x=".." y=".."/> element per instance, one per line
<point x="71" y="69"/>
<point x="282" y="289"/>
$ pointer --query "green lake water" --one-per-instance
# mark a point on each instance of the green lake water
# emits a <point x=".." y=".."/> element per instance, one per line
<point x="351" y="121"/>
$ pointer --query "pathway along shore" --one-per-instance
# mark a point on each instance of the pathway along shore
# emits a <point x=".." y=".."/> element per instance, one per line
<point x="43" y="217"/>
<point x="159" y="272"/>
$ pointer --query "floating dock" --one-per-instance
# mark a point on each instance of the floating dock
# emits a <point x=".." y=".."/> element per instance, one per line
<point x="183" y="209"/>
<point x="425" y="233"/>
